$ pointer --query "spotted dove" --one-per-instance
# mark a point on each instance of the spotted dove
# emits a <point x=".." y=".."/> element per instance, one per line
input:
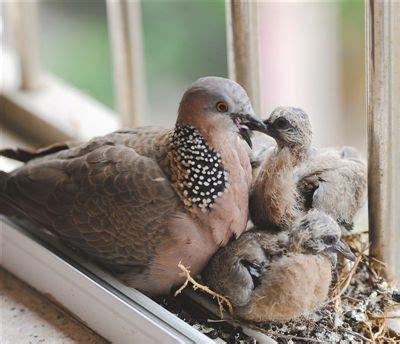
<point x="278" y="276"/>
<point x="139" y="201"/>
<point x="296" y="177"/>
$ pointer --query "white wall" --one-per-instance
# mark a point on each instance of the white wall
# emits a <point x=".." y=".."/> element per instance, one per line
<point x="300" y="64"/>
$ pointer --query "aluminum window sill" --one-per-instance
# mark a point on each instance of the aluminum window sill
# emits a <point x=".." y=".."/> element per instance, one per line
<point x="118" y="313"/>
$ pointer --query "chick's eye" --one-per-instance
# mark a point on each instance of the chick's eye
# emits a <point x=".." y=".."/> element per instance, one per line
<point x="330" y="239"/>
<point x="222" y="107"/>
<point x="282" y="123"/>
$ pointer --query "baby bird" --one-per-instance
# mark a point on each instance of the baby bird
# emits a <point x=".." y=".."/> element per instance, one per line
<point x="295" y="177"/>
<point x="280" y="276"/>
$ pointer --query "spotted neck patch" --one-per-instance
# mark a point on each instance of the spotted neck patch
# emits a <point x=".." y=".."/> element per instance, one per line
<point x="199" y="172"/>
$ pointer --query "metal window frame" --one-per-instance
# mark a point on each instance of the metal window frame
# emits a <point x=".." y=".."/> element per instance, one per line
<point x="243" y="47"/>
<point x="90" y="293"/>
<point x="125" y="31"/>
<point x="383" y="103"/>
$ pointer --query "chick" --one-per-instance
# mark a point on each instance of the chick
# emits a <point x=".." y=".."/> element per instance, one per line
<point x="334" y="181"/>
<point x="280" y="276"/>
<point x="295" y="177"/>
<point x="261" y="144"/>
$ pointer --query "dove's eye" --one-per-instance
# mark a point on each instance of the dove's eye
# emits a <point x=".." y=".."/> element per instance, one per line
<point x="222" y="107"/>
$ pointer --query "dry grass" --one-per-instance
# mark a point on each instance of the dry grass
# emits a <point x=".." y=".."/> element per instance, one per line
<point x="196" y="285"/>
<point x="374" y="328"/>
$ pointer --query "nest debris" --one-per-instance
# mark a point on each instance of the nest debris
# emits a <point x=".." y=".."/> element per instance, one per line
<point x="357" y="311"/>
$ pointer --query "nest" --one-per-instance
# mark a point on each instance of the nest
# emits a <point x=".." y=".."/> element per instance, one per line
<point x="361" y="302"/>
<point x="358" y="308"/>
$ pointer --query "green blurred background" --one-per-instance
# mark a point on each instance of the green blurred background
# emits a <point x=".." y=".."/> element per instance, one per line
<point x="183" y="40"/>
<point x="179" y="45"/>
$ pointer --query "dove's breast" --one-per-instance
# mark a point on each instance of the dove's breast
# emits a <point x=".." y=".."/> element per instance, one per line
<point x="195" y="233"/>
<point x="212" y="177"/>
<point x="230" y="213"/>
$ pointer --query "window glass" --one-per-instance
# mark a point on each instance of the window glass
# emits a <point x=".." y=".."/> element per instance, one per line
<point x="75" y="45"/>
<point x="182" y="41"/>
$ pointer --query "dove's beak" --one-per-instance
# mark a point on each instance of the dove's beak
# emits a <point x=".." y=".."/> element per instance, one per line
<point x="245" y="124"/>
<point x="265" y="128"/>
<point x="345" y="250"/>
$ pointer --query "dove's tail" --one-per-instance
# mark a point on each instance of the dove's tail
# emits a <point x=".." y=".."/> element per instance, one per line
<point x="26" y="154"/>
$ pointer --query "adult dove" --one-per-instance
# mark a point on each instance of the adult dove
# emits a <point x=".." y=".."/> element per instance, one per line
<point x="139" y="201"/>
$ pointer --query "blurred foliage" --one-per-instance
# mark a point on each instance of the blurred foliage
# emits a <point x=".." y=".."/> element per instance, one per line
<point x="352" y="13"/>
<point x="182" y="41"/>
<point x="74" y="45"/>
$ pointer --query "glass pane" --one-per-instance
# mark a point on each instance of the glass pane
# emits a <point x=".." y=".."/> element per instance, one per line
<point x="312" y="56"/>
<point x="183" y="41"/>
<point x="75" y="45"/>
<point x="177" y="46"/>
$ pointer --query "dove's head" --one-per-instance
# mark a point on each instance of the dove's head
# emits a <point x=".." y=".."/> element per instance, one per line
<point x="318" y="233"/>
<point x="213" y="103"/>
<point x="290" y="127"/>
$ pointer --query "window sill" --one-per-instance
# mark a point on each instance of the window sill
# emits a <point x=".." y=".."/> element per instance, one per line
<point x="116" y="312"/>
<point x="54" y="111"/>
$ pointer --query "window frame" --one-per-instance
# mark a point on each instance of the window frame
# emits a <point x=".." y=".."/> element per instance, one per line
<point x="91" y="294"/>
<point x="28" y="109"/>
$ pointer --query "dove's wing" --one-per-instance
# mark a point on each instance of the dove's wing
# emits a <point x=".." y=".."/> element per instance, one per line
<point x="103" y="198"/>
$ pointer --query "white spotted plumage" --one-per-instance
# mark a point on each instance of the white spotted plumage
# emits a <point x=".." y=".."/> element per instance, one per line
<point x="203" y="178"/>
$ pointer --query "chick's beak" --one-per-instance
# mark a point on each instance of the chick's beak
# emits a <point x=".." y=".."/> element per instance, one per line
<point x="345" y="250"/>
<point x="245" y="124"/>
<point x="266" y="128"/>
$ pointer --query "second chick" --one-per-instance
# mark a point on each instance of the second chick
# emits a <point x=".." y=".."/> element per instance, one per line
<point x="278" y="276"/>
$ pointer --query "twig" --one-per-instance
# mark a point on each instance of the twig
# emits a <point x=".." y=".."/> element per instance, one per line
<point x="395" y="305"/>
<point x="375" y="260"/>
<point x="344" y="285"/>
<point x="384" y="317"/>
<point x="353" y="299"/>
<point x="216" y="320"/>
<point x="220" y="298"/>
<point x="371" y="333"/>
<point x="305" y="339"/>
<point x="357" y="335"/>
<point x="379" y="333"/>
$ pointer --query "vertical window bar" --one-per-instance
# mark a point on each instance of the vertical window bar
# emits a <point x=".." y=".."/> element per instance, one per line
<point x="243" y="46"/>
<point x="383" y="83"/>
<point x="125" y="28"/>
<point x="23" y="16"/>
